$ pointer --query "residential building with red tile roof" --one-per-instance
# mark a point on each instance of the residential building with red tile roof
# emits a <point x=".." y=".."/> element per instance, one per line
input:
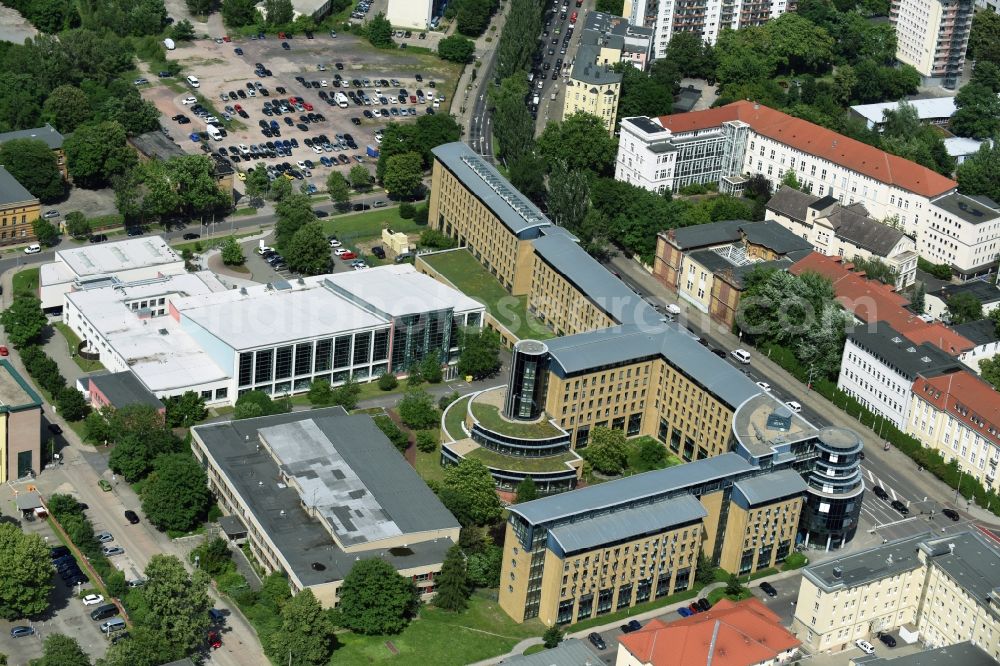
<point x="730" y="143"/>
<point x="744" y="633"/>
<point x="959" y="415"/>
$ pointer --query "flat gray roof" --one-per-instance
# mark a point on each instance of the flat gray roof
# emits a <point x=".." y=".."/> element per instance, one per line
<point x="861" y="568"/>
<point x="47" y="134"/>
<point x="586" y="69"/>
<point x="124" y="388"/>
<point x="515" y="210"/>
<point x="981" y="332"/>
<point x="11" y="191"/>
<point x="896" y="351"/>
<point x="606" y="496"/>
<point x="975" y="210"/>
<point x="628" y="524"/>
<point x="356" y="444"/>
<point x="983" y="291"/>
<point x="974" y="563"/>
<point x="621" y="345"/>
<point x="959" y="654"/>
<point x="771" y="487"/>
<point x="571" y="652"/>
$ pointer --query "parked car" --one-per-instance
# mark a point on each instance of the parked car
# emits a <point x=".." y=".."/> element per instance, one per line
<point x="951" y="513"/>
<point x="887" y="640"/>
<point x="768" y="589"/>
<point x="597" y="641"/>
<point x="683" y="612"/>
<point x="633" y="625"/>
<point x="191" y="236"/>
<point x="93" y="600"/>
<point x="104" y="485"/>
<point x="865" y="646"/>
<point x="704" y="604"/>
<point x="104" y="537"/>
<point x="131" y="516"/>
<point x="794" y="406"/>
<point x="110" y="551"/>
<point x="764" y="386"/>
<point x="21" y="631"/>
<point x="34" y="248"/>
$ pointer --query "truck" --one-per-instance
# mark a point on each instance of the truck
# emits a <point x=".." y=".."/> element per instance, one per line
<point x="341" y="100"/>
<point x="372" y="151"/>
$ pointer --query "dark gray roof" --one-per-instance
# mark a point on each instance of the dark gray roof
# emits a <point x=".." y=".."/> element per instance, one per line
<point x="964" y="654"/>
<point x="157" y="146"/>
<point x="571" y="652"/>
<point x="971" y="209"/>
<point x="586" y="69"/>
<point x="606" y="496"/>
<point x="983" y="291"/>
<point x="896" y="351"/>
<point x="865" y="232"/>
<point x="47" y="134"/>
<point x="628" y="524"/>
<point x="11" y="191"/>
<point x="491" y="188"/>
<point x="124" y="388"/>
<point x="712" y="260"/>
<point x="619" y="345"/>
<point x="563" y="253"/>
<point x="974" y="564"/>
<point x="278" y="507"/>
<point x="706" y="235"/>
<point x="686" y="99"/>
<point x="773" y="236"/>
<point x="791" y="202"/>
<point x="739" y="273"/>
<point x="644" y="123"/>
<point x="770" y="487"/>
<point x="232" y="525"/>
<point x="981" y="332"/>
<point x="864" y="567"/>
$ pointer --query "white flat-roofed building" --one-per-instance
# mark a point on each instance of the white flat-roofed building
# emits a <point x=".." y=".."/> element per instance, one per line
<point x="410" y="13"/>
<point x="190" y="332"/>
<point x="127" y="260"/>
<point x="935" y="110"/>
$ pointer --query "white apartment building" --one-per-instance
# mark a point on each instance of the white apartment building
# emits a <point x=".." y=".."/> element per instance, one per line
<point x="879" y="366"/>
<point x="962" y="232"/>
<point x="932" y="36"/>
<point x="416" y="14"/>
<point x="941" y="591"/>
<point x="705" y="17"/>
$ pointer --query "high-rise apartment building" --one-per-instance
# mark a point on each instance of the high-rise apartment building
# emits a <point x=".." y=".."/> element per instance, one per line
<point x="932" y="35"/>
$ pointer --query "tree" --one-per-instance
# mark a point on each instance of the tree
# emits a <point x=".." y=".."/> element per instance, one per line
<point x="257" y="403"/>
<point x="185" y="410"/>
<point x="96" y="152"/>
<point x="456" y="49"/>
<point x="650" y="454"/>
<point x="430" y="368"/>
<point x="581" y="142"/>
<point x="213" y="556"/>
<point x="183" y="31"/>
<point x="392" y="432"/>
<point x="527" y="175"/>
<point x="278" y="12"/>
<point x="238" y="13"/>
<point x="387" y="381"/>
<point x="977" y="174"/>
<point x="309" y="251"/>
<point x="77" y="224"/>
<point x="232" y="253"/>
<point x="144" y="647"/>
<point x="417" y="410"/>
<point x="117" y="587"/>
<point x="451" y="584"/>
<point x="607" y="450"/>
<point x="426" y="441"/>
<point x="403" y="177"/>
<point x="32" y="163"/>
<point x="25" y="573"/>
<point x="339" y="190"/>
<point x="705" y="570"/>
<point x="480" y="355"/>
<point x="176" y="602"/>
<point x="513" y="126"/>
<point x="964" y="307"/>
<point x="199" y="7"/>
<point x="135" y="452"/>
<point x="919" y="294"/>
<point x="176" y="496"/>
<point x="60" y="650"/>
<point x="988" y="74"/>
<point x="734" y="587"/>
<point x="360" y="177"/>
<point x="320" y="393"/>
<point x="553" y="636"/>
<point x="379" y="32"/>
<point x="374" y="599"/>
<point x="469" y="492"/>
<point x="978" y="111"/>
<point x="989" y="369"/>
<point x="257" y="182"/>
<point x="293" y="212"/>
<point x="984" y="38"/>
<point x="71" y="404"/>
<point x="689" y="54"/>
<point x="45" y="232"/>
<point x="306" y="635"/>
<point x="568" y="196"/>
<point x="24" y="320"/>
<point x="526" y="490"/>
<point x="789" y="179"/>
<point x="484" y="566"/>
<point x="643" y="95"/>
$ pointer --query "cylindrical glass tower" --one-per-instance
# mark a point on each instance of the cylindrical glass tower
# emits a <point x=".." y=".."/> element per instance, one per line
<point x="529" y="369"/>
<point x="833" y="503"/>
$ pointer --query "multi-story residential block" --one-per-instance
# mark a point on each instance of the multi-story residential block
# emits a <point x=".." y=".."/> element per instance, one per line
<point x="593" y="87"/>
<point x="619" y="40"/>
<point x="728" y="144"/>
<point x="48" y="135"/>
<point x="192" y="332"/>
<point x="18" y="210"/>
<point x="942" y="590"/>
<point x="705" y="18"/>
<point x="984" y="291"/>
<point x="318" y="491"/>
<point x="20" y="426"/>
<point x="879" y="366"/>
<point x="742" y="633"/>
<point x="844" y="231"/>
<point x="956" y="414"/>
<point x="706" y="263"/>
<point x="962" y="232"/>
<point x="983" y="335"/>
<point x="932" y="35"/>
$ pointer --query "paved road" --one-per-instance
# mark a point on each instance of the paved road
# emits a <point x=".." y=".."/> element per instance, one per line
<point x="480" y="131"/>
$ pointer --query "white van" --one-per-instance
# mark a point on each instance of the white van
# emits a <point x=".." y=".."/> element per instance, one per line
<point x="34" y="248"/>
<point x="741" y="355"/>
<point x="214" y="132"/>
<point x="193" y="82"/>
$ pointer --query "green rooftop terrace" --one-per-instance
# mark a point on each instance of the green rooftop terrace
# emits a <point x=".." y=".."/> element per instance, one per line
<point x="496" y="460"/>
<point x="489" y="416"/>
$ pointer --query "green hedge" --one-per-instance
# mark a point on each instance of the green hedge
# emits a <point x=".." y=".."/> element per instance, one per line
<point x="926" y="458"/>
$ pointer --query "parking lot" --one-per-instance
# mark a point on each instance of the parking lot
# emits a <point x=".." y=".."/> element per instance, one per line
<point x="301" y="92"/>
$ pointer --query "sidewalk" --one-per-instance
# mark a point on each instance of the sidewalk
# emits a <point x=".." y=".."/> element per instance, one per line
<point x="464" y="100"/>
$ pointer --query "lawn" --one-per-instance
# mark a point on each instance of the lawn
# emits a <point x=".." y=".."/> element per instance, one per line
<point x="357" y="227"/>
<point x="456" y="417"/>
<point x="73" y="342"/>
<point x="489" y="416"/>
<point x="204" y="244"/>
<point x="461" y="269"/>
<point x="522" y="463"/>
<point x="26" y="282"/>
<point x="428" y="465"/>
<point x="441" y="638"/>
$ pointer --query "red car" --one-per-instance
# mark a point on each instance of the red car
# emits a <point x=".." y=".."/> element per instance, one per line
<point x="214" y="641"/>
<point x="4" y="351"/>
<point x="226" y="39"/>
<point x="347" y="256"/>
<point x="237" y="107"/>
<point x="282" y="35"/>
<point x="413" y="99"/>
<point x="308" y="106"/>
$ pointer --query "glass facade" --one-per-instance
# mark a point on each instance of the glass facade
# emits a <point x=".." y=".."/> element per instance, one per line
<point x="416" y="336"/>
<point x="526" y="387"/>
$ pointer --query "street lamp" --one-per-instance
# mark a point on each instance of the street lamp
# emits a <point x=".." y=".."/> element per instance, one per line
<point x="958" y="486"/>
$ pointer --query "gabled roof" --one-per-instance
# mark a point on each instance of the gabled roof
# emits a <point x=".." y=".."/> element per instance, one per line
<point x="863" y="231"/>
<point x="730" y="634"/>
<point x="791" y="202"/>
<point x="46" y="134"/>
<point x="820" y="142"/>
<point x="12" y="192"/>
<point x="981" y="332"/>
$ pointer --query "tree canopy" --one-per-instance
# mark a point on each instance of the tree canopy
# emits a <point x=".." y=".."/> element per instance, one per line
<point x="469" y="492"/>
<point x="452" y="585"/>
<point x="23" y="321"/>
<point x="176" y="603"/>
<point x="374" y="599"/>
<point x="257" y="403"/>
<point x="607" y="451"/>
<point x="175" y="497"/>
<point x="25" y="573"/>
<point x="306" y="635"/>
<point x="33" y="164"/>
<point x="308" y="252"/>
<point x="480" y="355"/>
<point x="417" y="409"/>
<point x="580" y="142"/>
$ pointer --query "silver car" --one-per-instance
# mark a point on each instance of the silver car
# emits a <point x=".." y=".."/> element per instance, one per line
<point x="104" y="537"/>
<point x="110" y="551"/>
